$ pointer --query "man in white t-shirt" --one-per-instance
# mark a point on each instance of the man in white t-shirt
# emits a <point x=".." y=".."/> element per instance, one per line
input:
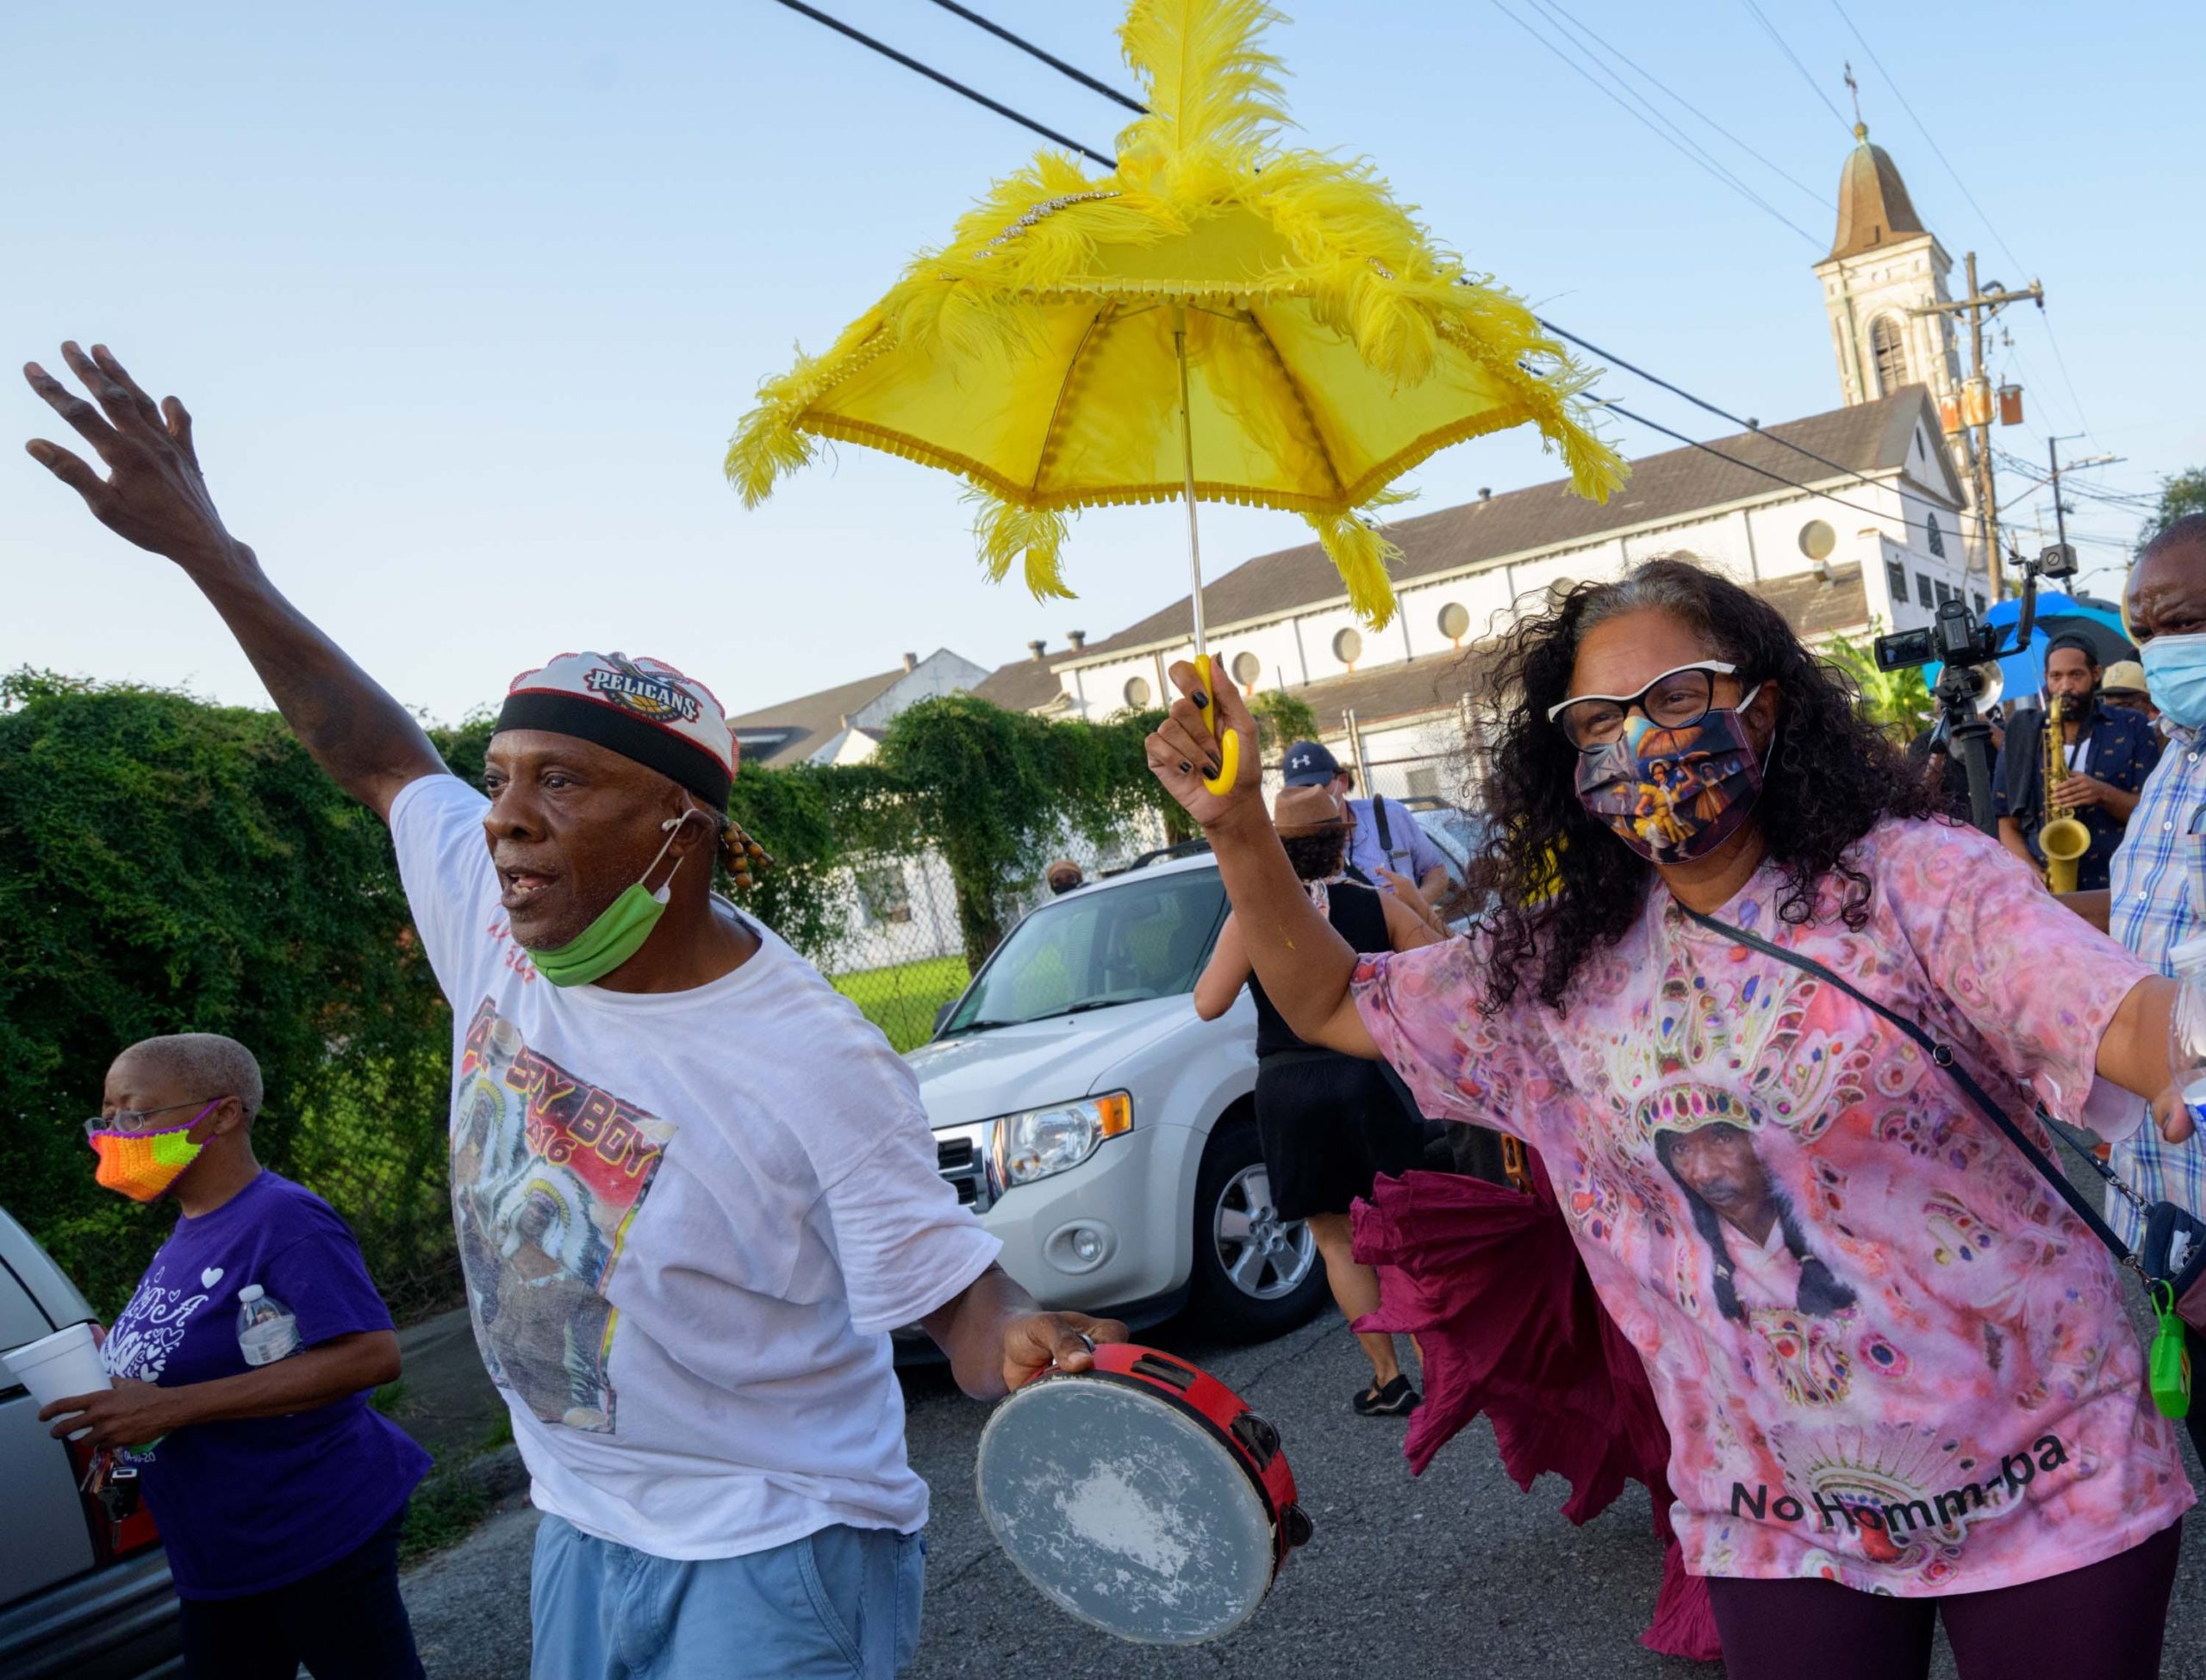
<point x="693" y="1188"/>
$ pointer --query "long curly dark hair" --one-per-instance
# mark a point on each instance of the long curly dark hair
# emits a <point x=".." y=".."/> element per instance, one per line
<point x="1563" y="884"/>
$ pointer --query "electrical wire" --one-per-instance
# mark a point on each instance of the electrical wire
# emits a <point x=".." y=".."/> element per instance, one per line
<point x="1770" y="30"/>
<point x="1615" y="407"/>
<point x="1054" y="62"/>
<point x="1675" y="141"/>
<point x="1648" y="76"/>
<point x="1680" y="139"/>
<point x="933" y="75"/>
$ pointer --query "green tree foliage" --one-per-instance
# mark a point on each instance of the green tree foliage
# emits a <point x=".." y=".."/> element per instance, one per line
<point x="176" y="867"/>
<point x="1899" y="700"/>
<point x="172" y="866"/>
<point x="992" y="791"/>
<point x="1282" y="719"/>
<point x="2184" y="493"/>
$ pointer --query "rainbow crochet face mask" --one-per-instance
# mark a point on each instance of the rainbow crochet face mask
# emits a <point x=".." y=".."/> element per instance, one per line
<point x="141" y="1165"/>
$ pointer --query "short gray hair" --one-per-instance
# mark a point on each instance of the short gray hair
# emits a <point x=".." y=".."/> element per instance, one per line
<point x="216" y="1065"/>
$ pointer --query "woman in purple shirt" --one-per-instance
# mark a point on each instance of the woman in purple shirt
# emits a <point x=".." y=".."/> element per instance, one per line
<point x="278" y="1490"/>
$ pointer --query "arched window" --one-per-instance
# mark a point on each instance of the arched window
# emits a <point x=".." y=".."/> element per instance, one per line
<point x="1890" y="348"/>
<point x="1937" y="537"/>
<point x="1455" y="620"/>
<point x="1348" y="647"/>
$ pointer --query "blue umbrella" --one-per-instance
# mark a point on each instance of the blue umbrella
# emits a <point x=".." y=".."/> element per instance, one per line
<point x="2022" y="671"/>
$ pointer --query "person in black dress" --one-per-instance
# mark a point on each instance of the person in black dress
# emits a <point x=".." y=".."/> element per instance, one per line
<point x="1328" y="1122"/>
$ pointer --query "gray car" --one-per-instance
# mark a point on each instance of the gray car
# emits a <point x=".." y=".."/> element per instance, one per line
<point x="73" y="1601"/>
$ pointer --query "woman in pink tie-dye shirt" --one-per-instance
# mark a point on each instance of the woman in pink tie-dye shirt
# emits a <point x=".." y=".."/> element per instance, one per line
<point x="1896" y="1371"/>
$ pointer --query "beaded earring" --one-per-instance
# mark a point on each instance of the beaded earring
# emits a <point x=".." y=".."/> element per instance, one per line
<point x="741" y="855"/>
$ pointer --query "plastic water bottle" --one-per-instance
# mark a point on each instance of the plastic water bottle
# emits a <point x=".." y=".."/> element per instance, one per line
<point x="2187" y="1025"/>
<point x="267" y="1331"/>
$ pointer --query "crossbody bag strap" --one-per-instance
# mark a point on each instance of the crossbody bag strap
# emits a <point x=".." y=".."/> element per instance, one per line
<point x="1943" y="1057"/>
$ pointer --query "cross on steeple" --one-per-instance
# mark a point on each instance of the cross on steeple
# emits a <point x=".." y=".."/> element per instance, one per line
<point x="1860" y="129"/>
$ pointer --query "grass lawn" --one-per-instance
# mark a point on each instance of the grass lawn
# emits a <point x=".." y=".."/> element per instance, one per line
<point x="902" y="1000"/>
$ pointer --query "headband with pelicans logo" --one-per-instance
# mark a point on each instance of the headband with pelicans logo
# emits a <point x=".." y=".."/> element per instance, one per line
<point x="643" y="709"/>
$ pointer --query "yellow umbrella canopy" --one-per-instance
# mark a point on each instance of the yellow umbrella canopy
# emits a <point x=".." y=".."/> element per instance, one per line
<point x="1324" y="344"/>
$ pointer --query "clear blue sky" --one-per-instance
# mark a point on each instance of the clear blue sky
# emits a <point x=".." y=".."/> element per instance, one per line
<point x="466" y="298"/>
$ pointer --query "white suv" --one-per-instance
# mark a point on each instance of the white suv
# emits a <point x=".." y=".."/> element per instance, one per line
<point x="1105" y="1134"/>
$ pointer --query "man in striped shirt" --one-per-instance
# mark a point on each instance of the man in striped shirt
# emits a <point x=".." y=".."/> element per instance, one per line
<point x="2158" y="888"/>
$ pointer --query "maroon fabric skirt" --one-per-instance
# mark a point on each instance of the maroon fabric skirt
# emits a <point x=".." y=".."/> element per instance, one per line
<point x="1488" y="1280"/>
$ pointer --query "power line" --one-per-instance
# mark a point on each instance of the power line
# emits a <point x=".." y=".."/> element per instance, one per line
<point x="1805" y="489"/>
<point x="933" y="75"/>
<point x="1703" y="403"/>
<point x="1055" y="63"/>
<point x="1675" y="141"/>
<point x="1656" y="82"/>
<point x="1770" y="30"/>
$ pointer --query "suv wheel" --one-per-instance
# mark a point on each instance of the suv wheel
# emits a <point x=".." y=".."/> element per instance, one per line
<point x="1254" y="1275"/>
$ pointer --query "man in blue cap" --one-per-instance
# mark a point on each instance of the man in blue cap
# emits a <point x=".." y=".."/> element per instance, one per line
<point x="1388" y="839"/>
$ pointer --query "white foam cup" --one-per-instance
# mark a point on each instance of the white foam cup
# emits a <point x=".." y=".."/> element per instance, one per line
<point x="58" y="1366"/>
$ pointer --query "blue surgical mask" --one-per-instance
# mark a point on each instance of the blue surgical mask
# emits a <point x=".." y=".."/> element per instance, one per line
<point x="2175" y="676"/>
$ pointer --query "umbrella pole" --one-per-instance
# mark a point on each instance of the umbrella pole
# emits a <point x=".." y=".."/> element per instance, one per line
<point x="1229" y="757"/>
<point x="1188" y="476"/>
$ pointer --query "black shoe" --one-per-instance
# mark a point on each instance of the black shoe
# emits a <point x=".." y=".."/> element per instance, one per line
<point x="1397" y="1399"/>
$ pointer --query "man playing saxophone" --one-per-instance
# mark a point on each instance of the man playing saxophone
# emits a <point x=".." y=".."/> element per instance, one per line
<point x="2092" y="764"/>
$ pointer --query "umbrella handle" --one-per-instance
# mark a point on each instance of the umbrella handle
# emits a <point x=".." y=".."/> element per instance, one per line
<point x="1228" y="741"/>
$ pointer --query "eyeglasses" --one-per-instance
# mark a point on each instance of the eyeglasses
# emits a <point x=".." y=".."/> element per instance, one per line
<point x="1676" y="699"/>
<point x="134" y="1119"/>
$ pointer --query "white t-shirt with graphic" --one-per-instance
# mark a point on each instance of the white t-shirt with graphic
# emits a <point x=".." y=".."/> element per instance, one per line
<point x="688" y="1221"/>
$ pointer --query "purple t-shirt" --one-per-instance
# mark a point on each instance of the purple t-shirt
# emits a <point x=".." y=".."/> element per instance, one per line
<point x="248" y="1504"/>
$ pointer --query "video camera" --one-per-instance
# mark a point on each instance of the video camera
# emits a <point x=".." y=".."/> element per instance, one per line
<point x="1968" y="687"/>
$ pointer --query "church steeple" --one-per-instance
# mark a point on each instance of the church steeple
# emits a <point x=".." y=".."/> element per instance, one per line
<point x="1873" y="207"/>
<point x="1883" y="267"/>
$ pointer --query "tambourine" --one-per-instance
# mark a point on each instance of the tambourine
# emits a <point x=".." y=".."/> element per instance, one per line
<point x="1143" y="1496"/>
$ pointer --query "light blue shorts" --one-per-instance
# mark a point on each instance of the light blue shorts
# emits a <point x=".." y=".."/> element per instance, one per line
<point x="842" y="1601"/>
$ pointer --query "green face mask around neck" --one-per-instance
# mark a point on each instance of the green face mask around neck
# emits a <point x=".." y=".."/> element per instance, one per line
<point x="619" y="931"/>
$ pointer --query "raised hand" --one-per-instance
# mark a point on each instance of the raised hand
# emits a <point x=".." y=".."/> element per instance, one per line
<point x="154" y="495"/>
<point x="1184" y="749"/>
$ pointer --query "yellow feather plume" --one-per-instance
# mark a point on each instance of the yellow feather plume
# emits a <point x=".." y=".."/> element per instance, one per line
<point x="1211" y="87"/>
<point x="1361" y="552"/>
<point x="1030" y="537"/>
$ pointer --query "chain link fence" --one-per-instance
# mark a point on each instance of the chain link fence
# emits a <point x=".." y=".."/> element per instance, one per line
<point x="898" y="956"/>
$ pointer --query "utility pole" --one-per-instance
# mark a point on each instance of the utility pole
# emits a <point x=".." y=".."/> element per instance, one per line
<point x="2053" y="477"/>
<point x="1979" y="307"/>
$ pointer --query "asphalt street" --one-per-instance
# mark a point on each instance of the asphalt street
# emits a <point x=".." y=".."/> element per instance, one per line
<point x="1452" y="1573"/>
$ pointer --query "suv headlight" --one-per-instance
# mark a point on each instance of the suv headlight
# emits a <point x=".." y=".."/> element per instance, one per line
<point x="1038" y="1142"/>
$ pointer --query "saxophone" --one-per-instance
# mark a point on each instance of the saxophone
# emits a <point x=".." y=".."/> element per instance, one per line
<point x="2062" y="839"/>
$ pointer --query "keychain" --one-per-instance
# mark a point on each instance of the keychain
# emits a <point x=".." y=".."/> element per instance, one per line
<point x="2167" y="1366"/>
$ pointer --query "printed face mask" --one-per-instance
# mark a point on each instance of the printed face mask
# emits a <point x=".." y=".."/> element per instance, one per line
<point x="1674" y="794"/>
<point x="620" y="930"/>
<point x="142" y="1165"/>
<point x="2175" y="676"/>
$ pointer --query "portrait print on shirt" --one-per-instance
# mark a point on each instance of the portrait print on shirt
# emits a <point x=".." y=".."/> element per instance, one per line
<point x="547" y="1172"/>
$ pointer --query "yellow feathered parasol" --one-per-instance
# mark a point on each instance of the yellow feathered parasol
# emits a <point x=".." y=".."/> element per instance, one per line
<point x="1314" y="342"/>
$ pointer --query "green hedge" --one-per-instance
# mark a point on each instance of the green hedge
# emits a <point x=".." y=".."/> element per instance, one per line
<point x="168" y="866"/>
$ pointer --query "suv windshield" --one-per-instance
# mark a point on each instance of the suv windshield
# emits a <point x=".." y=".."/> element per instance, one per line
<point x="1117" y="945"/>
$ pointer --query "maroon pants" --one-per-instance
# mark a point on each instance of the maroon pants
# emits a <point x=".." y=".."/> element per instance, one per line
<point x="2104" y="1620"/>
